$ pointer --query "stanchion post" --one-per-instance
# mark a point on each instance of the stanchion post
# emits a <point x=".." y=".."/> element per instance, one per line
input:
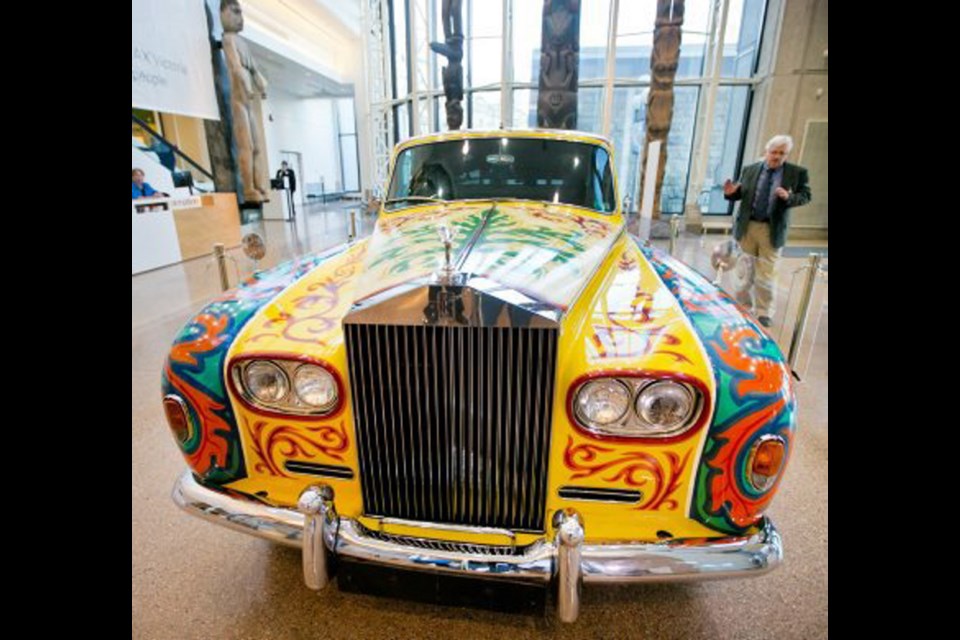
<point x="221" y="257"/>
<point x="813" y="268"/>
<point x="674" y="232"/>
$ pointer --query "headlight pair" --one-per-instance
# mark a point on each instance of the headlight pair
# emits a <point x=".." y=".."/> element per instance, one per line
<point x="636" y="407"/>
<point x="288" y="386"/>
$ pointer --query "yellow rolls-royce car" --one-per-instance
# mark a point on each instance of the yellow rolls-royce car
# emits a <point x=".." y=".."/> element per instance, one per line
<point x="500" y="383"/>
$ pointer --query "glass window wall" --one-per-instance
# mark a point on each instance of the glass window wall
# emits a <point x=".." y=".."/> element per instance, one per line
<point x="483" y="68"/>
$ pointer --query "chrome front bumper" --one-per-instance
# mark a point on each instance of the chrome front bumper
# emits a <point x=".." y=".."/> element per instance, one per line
<point x="566" y="560"/>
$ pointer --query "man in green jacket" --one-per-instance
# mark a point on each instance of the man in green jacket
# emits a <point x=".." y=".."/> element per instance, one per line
<point x="767" y="189"/>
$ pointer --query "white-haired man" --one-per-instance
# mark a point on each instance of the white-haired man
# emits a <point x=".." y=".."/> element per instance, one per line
<point x="767" y="190"/>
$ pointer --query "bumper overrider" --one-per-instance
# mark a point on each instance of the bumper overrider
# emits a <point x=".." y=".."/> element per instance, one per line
<point x="565" y="562"/>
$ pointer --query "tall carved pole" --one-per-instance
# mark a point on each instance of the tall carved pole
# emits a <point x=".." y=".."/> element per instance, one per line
<point x="663" y="69"/>
<point x="452" y="50"/>
<point x="247" y="88"/>
<point x="219" y="141"/>
<point x="559" y="65"/>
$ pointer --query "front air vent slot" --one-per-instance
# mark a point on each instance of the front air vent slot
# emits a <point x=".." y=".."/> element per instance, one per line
<point x="602" y="495"/>
<point x="322" y="470"/>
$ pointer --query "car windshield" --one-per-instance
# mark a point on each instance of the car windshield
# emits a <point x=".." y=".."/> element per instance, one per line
<point x="558" y="171"/>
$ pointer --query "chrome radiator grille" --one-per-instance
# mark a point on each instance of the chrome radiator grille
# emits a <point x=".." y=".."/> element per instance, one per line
<point x="453" y="423"/>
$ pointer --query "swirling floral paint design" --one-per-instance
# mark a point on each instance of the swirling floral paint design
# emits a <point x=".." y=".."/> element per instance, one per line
<point x="411" y="243"/>
<point x="273" y="443"/>
<point x="588" y="226"/>
<point x="635" y="317"/>
<point x="548" y="253"/>
<point x="754" y="397"/>
<point x="313" y="316"/>
<point x="194" y="369"/>
<point x="640" y="469"/>
<point x="545" y="252"/>
<point x="752" y="377"/>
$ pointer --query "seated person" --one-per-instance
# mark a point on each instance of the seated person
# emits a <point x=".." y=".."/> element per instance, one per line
<point x="143" y="189"/>
<point x="432" y="180"/>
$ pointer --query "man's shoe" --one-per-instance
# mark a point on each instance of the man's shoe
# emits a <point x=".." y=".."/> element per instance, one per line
<point x="765" y="321"/>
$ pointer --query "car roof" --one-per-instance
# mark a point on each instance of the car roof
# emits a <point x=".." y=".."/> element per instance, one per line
<point x="552" y="134"/>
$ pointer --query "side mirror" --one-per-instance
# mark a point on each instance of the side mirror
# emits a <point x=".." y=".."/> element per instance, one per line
<point x="724" y="258"/>
<point x="254" y="248"/>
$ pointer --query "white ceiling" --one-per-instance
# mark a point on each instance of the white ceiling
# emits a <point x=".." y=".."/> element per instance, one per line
<point x="347" y="11"/>
<point x="291" y="77"/>
<point x="316" y="13"/>
<point x="301" y="46"/>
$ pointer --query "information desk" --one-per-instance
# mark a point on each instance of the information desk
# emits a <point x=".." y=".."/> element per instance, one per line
<point x="169" y="230"/>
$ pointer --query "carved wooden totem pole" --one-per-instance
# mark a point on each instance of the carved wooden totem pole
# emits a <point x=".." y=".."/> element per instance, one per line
<point x="247" y="88"/>
<point x="663" y="69"/>
<point x="559" y="65"/>
<point x="452" y="50"/>
<point x="219" y="142"/>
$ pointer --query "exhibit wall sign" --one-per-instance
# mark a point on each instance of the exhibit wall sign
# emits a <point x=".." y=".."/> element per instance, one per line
<point x="171" y="58"/>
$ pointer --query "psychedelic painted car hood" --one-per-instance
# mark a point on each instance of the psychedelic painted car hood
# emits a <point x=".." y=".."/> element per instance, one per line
<point x="547" y="252"/>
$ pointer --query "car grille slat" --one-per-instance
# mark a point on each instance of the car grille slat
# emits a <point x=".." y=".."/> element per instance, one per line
<point x="472" y="453"/>
<point x="439" y="419"/>
<point x="486" y="355"/>
<point x="505" y="440"/>
<point x="385" y="393"/>
<point x="453" y="423"/>
<point x="538" y="356"/>
<point x="400" y="424"/>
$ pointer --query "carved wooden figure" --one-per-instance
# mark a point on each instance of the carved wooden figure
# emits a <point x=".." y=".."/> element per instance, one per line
<point x="247" y="88"/>
<point x="452" y="50"/>
<point x="663" y="69"/>
<point x="559" y="65"/>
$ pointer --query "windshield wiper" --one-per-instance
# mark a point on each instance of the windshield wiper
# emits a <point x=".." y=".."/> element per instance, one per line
<point x="413" y="199"/>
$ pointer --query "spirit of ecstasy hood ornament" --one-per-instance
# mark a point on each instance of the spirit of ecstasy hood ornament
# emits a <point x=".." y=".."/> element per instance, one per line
<point x="446" y="237"/>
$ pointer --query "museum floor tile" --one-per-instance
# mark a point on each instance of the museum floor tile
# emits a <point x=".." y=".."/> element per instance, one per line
<point x="192" y="579"/>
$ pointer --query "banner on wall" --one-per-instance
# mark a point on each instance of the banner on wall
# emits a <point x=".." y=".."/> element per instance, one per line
<point x="172" y="71"/>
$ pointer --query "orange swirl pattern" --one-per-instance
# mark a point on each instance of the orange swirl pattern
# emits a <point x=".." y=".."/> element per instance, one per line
<point x="211" y="448"/>
<point x="754" y="398"/>
<point x="767" y="377"/>
<point x="274" y="443"/>
<point x="633" y="468"/>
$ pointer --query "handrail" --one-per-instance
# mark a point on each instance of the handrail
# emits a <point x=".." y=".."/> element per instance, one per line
<point x="176" y="150"/>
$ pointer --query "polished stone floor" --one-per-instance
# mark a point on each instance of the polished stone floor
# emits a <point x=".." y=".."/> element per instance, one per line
<point x="192" y="579"/>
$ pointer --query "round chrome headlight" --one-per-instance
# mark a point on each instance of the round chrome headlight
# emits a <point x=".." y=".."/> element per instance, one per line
<point x="665" y="406"/>
<point x="266" y="381"/>
<point x="602" y="402"/>
<point x="315" y="386"/>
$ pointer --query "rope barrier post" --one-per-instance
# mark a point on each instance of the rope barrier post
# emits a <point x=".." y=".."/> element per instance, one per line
<point x="674" y="232"/>
<point x="804" y="309"/>
<point x="221" y="257"/>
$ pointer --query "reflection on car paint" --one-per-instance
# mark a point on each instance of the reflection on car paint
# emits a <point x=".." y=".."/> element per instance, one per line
<point x="636" y="316"/>
<point x="546" y="254"/>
